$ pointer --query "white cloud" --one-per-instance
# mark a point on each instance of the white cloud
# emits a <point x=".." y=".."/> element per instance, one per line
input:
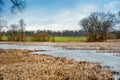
<point x="54" y="27"/>
<point x="112" y="6"/>
<point x="63" y="20"/>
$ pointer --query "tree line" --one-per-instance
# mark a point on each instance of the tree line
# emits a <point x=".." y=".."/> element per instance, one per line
<point x="69" y="33"/>
<point x="17" y="32"/>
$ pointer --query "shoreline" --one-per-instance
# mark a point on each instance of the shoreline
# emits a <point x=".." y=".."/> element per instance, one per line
<point x="63" y="43"/>
<point x="110" y="46"/>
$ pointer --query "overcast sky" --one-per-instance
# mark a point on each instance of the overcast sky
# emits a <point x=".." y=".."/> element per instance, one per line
<point x="60" y="14"/>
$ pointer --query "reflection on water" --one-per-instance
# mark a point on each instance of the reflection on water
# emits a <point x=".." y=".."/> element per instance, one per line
<point x="84" y="55"/>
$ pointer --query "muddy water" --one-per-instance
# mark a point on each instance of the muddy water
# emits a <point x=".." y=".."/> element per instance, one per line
<point x="106" y="59"/>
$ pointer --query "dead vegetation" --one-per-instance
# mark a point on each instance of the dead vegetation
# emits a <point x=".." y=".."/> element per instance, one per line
<point x="100" y="49"/>
<point x="19" y="65"/>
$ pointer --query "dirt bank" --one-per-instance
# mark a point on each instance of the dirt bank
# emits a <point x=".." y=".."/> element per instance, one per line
<point x="107" y="44"/>
<point x="19" y="65"/>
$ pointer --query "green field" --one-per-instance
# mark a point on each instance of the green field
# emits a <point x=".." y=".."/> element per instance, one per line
<point x="70" y="39"/>
<point x="56" y="39"/>
<point x="65" y="39"/>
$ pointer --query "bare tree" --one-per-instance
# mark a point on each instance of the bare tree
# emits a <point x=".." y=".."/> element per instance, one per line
<point x="16" y="5"/>
<point x="2" y="25"/>
<point x="14" y="27"/>
<point x="119" y="13"/>
<point x="13" y="31"/>
<point x="97" y="25"/>
<point x="118" y="20"/>
<point x="22" y="29"/>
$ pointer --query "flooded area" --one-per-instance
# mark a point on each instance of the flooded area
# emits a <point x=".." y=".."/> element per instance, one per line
<point x="105" y="59"/>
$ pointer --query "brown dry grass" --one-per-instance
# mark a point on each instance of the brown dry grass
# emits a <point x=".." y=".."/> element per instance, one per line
<point x="19" y="65"/>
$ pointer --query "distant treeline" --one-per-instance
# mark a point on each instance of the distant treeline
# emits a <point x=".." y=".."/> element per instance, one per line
<point x="52" y="33"/>
<point x="80" y="33"/>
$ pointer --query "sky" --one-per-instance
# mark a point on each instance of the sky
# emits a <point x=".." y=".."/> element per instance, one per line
<point x="58" y="15"/>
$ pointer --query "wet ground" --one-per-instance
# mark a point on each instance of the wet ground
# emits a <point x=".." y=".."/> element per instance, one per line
<point x="107" y="59"/>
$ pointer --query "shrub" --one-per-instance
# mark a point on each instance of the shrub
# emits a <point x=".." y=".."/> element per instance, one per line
<point x="111" y="36"/>
<point x="18" y="37"/>
<point x="95" y="37"/>
<point x="0" y="38"/>
<point x="41" y="37"/>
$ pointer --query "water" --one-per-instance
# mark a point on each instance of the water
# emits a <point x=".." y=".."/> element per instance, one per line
<point x="80" y="55"/>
